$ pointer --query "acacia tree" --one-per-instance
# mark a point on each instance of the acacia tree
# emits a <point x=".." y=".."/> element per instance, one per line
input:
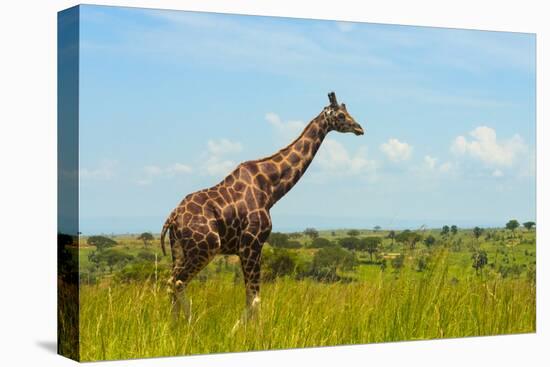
<point x="512" y="225"/>
<point x="377" y="228"/>
<point x="477" y="232"/>
<point x="479" y="260"/>
<point x="409" y="238"/>
<point x="391" y="234"/>
<point x="529" y="225"/>
<point x="445" y="230"/>
<point x="371" y="245"/>
<point x="146" y="237"/>
<point x="101" y="242"/>
<point x="311" y="232"/>
<point x="454" y="230"/>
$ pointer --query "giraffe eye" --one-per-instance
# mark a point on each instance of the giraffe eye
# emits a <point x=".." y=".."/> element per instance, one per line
<point x="341" y="116"/>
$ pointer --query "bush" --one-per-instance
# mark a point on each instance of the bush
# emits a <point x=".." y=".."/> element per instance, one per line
<point x="350" y="243"/>
<point x="321" y="242"/>
<point x="277" y="239"/>
<point x="277" y="263"/>
<point x="146" y="255"/>
<point x="334" y="257"/>
<point x="140" y="271"/>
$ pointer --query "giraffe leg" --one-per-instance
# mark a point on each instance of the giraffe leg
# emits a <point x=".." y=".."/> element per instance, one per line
<point x="250" y="263"/>
<point x="191" y="258"/>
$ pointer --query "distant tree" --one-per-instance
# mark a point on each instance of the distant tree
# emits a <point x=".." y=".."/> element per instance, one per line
<point x="454" y="230"/>
<point x="334" y="257"/>
<point x="445" y="230"/>
<point x="371" y="245"/>
<point x="429" y="241"/>
<point x="350" y="243"/>
<point x="377" y="228"/>
<point x="529" y="225"/>
<point x="311" y="232"/>
<point x="278" y="239"/>
<point x="408" y="238"/>
<point x="321" y="242"/>
<point x="391" y="235"/>
<point x="101" y="242"/>
<point x="333" y="233"/>
<point x="477" y="232"/>
<point x="353" y="233"/>
<point x="479" y="260"/>
<point x="512" y="225"/>
<point x="146" y="237"/>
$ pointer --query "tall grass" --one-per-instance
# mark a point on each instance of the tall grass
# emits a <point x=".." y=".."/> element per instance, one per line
<point x="133" y="321"/>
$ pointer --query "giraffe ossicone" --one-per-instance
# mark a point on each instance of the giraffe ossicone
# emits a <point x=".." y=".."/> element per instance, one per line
<point x="232" y="217"/>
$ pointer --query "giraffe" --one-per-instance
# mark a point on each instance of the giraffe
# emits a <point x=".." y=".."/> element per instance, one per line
<point x="232" y="217"/>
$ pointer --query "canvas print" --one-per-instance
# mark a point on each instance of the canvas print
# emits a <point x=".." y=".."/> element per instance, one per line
<point x="235" y="183"/>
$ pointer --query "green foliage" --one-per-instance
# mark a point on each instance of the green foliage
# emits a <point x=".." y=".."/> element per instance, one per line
<point x="353" y="233"/>
<point x="377" y="228"/>
<point x="479" y="260"/>
<point x="512" y="225"/>
<point x="136" y="272"/>
<point x="398" y="262"/>
<point x="445" y="230"/>
<point x="321" y="242"/>
<point x="278" y="262"/>
<point x="477" y="231"/>
<point x="371" y="245"/>
<point x="408" y="238"/>
<point x="146" y="255"/>
<point x="101" y="242"/>
<point x="146" y="237"/>
<point x="311" y="232"/>
<point x="350" y="243"/>
<point x="454" y="230"/>
<point x="529" y="225"/>
<point x="429" y="241"/>
<point x="278" y="239"/>
<point x="334" y="257"/>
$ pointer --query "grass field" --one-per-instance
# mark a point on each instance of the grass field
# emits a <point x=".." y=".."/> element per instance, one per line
<point x="121" y="320"/>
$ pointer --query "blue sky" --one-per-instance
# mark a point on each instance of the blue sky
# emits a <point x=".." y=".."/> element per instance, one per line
<point x="171" y="102"/>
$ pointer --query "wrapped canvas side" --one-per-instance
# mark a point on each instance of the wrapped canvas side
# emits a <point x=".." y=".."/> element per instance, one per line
<point x="68" y="336"/>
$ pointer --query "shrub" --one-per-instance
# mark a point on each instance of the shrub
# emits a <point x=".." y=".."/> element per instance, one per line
<point x="350" y="243"/>
<point x="278" y="262"/>
<point x="321" y="242"/>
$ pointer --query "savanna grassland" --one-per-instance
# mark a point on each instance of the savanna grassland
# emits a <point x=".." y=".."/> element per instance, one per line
<point x="320" y="288"/>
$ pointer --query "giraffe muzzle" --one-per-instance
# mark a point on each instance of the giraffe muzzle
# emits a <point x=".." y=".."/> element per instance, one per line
<point x="358" y="130"/>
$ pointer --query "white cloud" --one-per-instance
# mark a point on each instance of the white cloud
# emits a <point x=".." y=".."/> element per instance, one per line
<point x="396" y="151"/>
<point x="485" y="147"/>
<point x="334" y="158"/>
<point x="105" y="171"/>
<point x="286" y="130"/>
<point x="216" y="163"/>
<point x="430" y="162"/>
<point x="223" y="146"/>
<point x="153" y="171"/>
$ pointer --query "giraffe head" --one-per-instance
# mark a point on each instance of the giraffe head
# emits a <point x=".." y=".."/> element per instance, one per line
<point x="339" y="119"/>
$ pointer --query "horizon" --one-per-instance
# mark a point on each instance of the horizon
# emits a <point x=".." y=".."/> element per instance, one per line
<point x="172" y="101"/>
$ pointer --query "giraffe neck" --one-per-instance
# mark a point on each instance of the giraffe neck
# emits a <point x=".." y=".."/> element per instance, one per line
<point x="292" y="161"/>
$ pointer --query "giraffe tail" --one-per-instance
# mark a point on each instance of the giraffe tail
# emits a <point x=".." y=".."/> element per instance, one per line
<point x="165" y="229"/>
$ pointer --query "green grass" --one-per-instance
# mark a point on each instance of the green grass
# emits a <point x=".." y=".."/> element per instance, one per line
<point x="121" y="321"/>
